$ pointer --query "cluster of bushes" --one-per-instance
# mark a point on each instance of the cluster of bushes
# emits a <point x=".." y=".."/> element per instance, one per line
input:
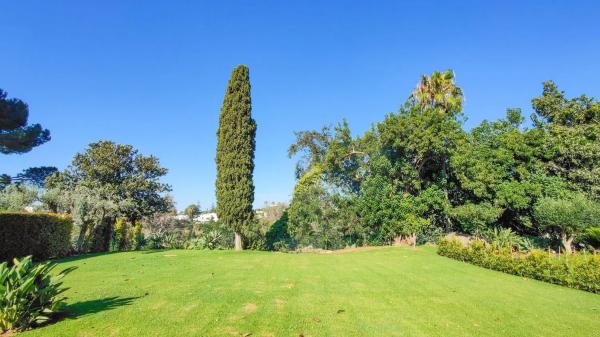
<point x="43" y="236"/>
<point x="580" y="270"/>
<point x="212" y="235"/>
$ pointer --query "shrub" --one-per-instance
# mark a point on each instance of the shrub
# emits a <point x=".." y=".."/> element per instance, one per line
<point x="165" y="240"/>
<point x="567" y="217"/>
<point x="29" y="294"/>
<point x="593" y="236"/>
<point x="430" y="234"/>
<point x="503" y="238"/>
<point x="213" y="235"/>
<point x="43" y="236"/>
<point x="580" y="271"/>
<point x="278" y="237"/>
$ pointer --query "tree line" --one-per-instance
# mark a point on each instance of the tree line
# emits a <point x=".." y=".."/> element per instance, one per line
<point x="412" y="177"/>
<point x="419" y="174"/>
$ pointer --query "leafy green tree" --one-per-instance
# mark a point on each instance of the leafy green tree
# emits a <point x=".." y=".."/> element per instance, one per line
<point x="337" y="153"/>
<point x="389" y="215"/>
<point x="107" y="181"/>
<point x="321" y="216"/>
<point x="278" y="237"/>
<point x="476" y="218"/>
<point x="192" y="211"/>
<point x="497" y="167"/>
<point x="313" y="145"/>
<point x="567" y="217"/>
<point x="572" y="148"/>
<point x="420" y="140"/>
<point x="17" y="197"/>
<point x="235" y="156"/>
<point x="15" y="135"/>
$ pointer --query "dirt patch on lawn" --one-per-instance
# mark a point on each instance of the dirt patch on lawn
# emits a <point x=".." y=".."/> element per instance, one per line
<point x="279" y="303"/>
<point x="250" y="307"/>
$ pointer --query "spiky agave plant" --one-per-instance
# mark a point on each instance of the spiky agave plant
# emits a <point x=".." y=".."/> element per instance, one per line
<point x="29" y="293"/>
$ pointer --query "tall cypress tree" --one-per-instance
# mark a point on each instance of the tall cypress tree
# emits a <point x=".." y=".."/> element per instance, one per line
<point x="235" y="155"/>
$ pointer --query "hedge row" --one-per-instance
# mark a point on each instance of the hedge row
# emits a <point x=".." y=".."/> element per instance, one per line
<point x="579" y="271"/>
<point x="44" y="236"/>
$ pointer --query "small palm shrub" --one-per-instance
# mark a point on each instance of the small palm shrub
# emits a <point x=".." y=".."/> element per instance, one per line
<point x="212" y="239"/>
<point x="500" y="238"/>
<point x="172" y="240"/>
<point x="29" y="294"/>
<point x="593" y="236"/>
<point x="155" y="241"/>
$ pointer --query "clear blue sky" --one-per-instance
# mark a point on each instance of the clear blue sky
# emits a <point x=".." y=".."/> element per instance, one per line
<point x="153" y="73"/>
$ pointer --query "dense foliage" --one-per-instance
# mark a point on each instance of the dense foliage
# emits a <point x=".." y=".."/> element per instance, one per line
<point x="44" y="236"/>
<point x="15" y="135"/>
<point x="235" y="155"/>
<point x="34" y="176"/>
<point x="568" y="217"/>
<point x="29" y="293"/>
<point x="418" y="173"/>
<point x="18" y="197"/>
<point x="581" y="271"/>
<point x="106" y="182"/>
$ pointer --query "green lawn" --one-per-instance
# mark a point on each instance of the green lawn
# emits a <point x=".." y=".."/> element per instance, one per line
<point x="387" y="292"/>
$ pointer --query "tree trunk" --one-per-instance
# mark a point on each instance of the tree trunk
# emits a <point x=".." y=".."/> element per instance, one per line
<point x="238" y="241"/>
<point x="81" y="237"/>
<point x="567" y="242"/>
<point x="412" y="239"/>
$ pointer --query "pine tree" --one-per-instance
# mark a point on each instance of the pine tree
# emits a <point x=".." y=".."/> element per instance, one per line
<point x="235" y="155"/>
<point x="15" y="135"/>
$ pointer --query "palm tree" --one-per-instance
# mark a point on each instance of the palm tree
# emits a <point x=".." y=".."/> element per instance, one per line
<point x="438" y="92"/>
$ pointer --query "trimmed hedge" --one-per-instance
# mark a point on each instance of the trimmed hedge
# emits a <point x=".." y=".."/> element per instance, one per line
<point x="44" y="236"/>
<point x="579" y="271"/>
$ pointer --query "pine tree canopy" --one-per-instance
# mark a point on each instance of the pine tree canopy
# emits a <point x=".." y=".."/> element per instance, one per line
<point x="15" y="135"/>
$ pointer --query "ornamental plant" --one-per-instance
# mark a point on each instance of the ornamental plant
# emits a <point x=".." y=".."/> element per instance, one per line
<point x="29" y="293"/>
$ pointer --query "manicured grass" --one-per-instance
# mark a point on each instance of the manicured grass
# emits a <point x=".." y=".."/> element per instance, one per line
<point x="387" y="292"/>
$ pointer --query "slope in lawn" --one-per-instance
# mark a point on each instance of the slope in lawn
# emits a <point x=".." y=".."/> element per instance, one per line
<point x="388" y="292"/>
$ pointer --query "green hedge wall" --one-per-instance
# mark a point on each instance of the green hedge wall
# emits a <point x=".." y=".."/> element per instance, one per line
<point x="579" y="271"/>
<point x="44" y="236"/>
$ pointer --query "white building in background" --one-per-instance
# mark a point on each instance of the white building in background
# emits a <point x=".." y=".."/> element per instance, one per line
<point x="206" y="217"/>
<point x="180" y="217"/>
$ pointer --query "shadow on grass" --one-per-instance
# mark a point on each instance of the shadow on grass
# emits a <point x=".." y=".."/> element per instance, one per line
<point x="84" y="308"/>
<point x="154" y="251"/>
<point x="74" y="258"/>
